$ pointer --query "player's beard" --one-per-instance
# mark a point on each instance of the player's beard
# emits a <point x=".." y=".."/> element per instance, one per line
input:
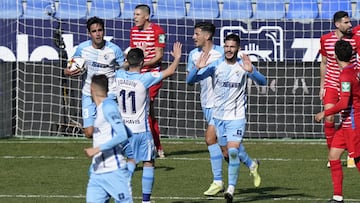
<point x="233" y="58"/>
<point x="347" y="34"/>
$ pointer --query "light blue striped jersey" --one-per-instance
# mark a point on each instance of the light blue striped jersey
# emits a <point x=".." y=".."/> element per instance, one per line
<point x="99" y="61"/>
<point x="206" y="85"/>
<point x="230" y="88"/>
<point x="133" y="97"/>
<point x="109" y="133"/>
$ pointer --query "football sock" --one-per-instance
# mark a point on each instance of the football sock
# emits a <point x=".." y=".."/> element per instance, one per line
<point x="336" y="176"/>
<point x="234" y="165"/>
<point x="329" y="129"/>
<point x="147" y="182"/>
<point x="216" y="157"/>
<point x="244" y="156"/>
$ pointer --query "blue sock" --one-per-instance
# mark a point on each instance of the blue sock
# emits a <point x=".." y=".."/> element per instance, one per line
<point x="234" y="165"/>
<point x="244" y="157"/>
<point x="147" y="182"/>
<point x="216" y="158"/>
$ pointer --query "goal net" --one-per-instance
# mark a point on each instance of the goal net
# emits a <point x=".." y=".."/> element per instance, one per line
<point x="38" y="100"/>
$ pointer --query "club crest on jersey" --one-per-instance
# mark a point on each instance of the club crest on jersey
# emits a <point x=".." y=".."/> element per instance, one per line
<point x="345" y="86"/>
<point x="155" y="74"/>
<point x="106" y="57"/>
<point x="162" y="38"/>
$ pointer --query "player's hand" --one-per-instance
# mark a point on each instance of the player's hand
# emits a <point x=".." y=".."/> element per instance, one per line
<point x="90" y="152"/>
<point x="71" y="73"/>
<point x="319" y="116"/>
<point x="202" y="62"/>
<point x="247" y="65"/>
<point x="176" y="52"/>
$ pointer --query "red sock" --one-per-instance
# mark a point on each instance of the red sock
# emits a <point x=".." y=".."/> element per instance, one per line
<point x="336" y="176"/>
<point x="155" y="131"/>
<point x="329" y="129"/>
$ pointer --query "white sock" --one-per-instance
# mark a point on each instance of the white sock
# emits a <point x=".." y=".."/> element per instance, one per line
<point x="231" y="189"/>
<point x="338" y="198"/>
<point x="252" y="167"/>
<point x="218" y="182"/>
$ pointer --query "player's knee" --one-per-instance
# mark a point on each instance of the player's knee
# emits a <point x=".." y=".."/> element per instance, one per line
<point x="233" y="153"/>
<point x="334" y="154"/>
<point x="210" y="138"/>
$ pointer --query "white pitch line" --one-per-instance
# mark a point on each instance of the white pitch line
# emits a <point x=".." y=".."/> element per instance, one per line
<point x="81" y="196"/>
<point x="197" y="142"/>
<point x="167" y="158"/>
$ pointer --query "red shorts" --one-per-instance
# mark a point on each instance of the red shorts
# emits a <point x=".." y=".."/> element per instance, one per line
<point x="346" y="138"/>
<point x="331" y="96"/>
<point x="154" y="90"/>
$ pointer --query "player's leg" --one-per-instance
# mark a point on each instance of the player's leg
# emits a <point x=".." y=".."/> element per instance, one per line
<point x="88" y="114"/>
<point x="234" y="131"/>
<point x="329" y="100"/>
<point x="216" y="158"/>
<point x="147" y="156"/>
<point x="350" y="138"/>
<point x="94" y="191"/>
<point x="253" y="165"/>
<point x="118" y="185"/>
<point x="336" y="150"/>
<point x="353" y="146"/>
<point x="233" y="170"/>
<point x="154" y="125"/>
<point x="147" y="180"/>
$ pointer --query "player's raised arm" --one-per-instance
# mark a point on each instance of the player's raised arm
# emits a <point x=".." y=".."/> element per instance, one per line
<point x="176" y="53"/>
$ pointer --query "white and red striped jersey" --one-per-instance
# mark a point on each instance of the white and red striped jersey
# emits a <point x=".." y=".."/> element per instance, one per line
<point x="327" y="49"/>
<point x="332" y="75"/>
<point x="153" y="36"/>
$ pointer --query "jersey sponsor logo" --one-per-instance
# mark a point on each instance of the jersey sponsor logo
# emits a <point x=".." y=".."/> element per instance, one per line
<point x="155" y="74"/>
<point x="162" y="38"/>
<point x="345" y="86"/>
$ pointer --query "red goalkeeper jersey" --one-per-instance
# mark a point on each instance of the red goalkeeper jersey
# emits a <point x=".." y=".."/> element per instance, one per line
<point x="153" y="36"/>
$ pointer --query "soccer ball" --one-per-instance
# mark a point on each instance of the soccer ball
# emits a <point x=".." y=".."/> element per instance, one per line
<point x="76" y="63"/>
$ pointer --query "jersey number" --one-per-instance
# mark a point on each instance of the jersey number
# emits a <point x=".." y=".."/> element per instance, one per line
<point x="131" y="94"/>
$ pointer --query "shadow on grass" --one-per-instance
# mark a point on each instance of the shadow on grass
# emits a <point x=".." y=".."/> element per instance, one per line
<point x="157" y="168"/>
<point x="185" y="152"/>
<point x="267" y="193"/>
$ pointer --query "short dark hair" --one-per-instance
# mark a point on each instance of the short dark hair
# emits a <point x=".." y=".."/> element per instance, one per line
<point x="206" y="27"/>
<point x="135" y="57"/>
<point x="94" y="20"/>
<point x="144" y="7"/>
<point x="339" y="15"/>
<point x="101" y="81"/>
<point x="233" y="37"/>
<point x="343" y="50"/>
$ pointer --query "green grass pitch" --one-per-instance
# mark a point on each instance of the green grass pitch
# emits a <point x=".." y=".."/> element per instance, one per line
<point x="55" y="171"/>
